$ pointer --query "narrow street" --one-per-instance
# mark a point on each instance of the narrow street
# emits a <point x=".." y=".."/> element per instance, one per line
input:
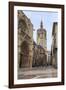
<point x="37" y="72"/>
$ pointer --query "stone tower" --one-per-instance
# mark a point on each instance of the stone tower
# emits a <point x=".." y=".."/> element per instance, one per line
<point x="41" y="36"/>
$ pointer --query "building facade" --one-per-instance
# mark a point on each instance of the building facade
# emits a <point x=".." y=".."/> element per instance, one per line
<point x="39" y="56"/>
<point x="35" y="56"/>
<point x="25" y="41"/>
<point x="49" y="58"/>
<point x="54" y="44"/>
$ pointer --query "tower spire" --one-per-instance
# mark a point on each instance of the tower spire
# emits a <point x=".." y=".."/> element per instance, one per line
<point x="41" y="24"/>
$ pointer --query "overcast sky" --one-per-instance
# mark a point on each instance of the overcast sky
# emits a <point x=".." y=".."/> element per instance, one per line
<point x="47" y="17"/>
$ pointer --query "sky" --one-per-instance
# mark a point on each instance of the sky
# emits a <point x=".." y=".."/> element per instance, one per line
<point x="48" y="18"/>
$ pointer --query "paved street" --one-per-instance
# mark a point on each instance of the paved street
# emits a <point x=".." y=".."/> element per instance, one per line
<point x="37" y="72"/>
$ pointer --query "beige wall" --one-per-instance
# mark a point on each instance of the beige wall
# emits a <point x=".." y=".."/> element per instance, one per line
<point x="54" y="44"/>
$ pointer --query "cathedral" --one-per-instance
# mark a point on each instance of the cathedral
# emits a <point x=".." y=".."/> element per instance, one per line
<point x="30" y="54"/>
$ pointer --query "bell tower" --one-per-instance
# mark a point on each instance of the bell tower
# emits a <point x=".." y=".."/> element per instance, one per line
<point x="41" y="36"/>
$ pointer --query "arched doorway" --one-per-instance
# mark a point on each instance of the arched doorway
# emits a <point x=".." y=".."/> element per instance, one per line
<point x="24" y="55"/>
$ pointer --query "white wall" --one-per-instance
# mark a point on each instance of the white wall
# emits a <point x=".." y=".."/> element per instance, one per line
<point x="4" y="44"/>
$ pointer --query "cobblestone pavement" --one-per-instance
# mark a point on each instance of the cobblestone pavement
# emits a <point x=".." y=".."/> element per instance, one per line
<point x="38" y="72"/>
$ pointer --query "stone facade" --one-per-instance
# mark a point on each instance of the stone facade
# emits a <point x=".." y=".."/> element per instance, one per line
<point x="39" y="56"/>
<point x="25" y="41"/>
<point x="49" y="58"/>
<point x="54" y="44"/>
